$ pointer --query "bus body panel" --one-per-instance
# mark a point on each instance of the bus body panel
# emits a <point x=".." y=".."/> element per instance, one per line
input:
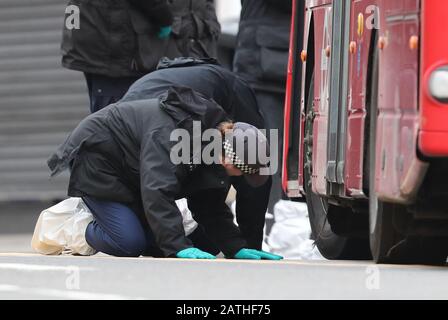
<point x="398" y="166"/>
<point x="322" y="17"/>
<point x="411" y="169"/>
<point x="433" y="138"/>
<point x="293" y="187"/>
<point x="410" y="121"/>
<point x="288" y="111"/>
<point x="358" y="71"/>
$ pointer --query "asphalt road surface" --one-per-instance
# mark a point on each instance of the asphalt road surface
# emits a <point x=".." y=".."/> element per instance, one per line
<point x="29" y="276"/>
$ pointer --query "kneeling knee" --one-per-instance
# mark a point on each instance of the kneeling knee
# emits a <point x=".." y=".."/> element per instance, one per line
<point x="133" y="246"/>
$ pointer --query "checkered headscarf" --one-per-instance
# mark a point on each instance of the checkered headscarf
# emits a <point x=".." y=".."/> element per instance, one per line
<point x="236" y="161"/>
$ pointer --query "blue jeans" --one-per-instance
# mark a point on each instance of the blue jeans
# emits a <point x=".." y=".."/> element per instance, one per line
<point x="118" y="231"/>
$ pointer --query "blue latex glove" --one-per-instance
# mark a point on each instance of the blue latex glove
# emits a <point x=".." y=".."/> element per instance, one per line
<point x="164" y="32"/>
<point x="251" y="254"/>
<point x="194" y="253"/>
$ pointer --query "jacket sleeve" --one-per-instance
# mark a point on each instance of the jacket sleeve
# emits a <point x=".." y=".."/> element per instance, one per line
<point x="284" y="5"/>
<point x="159" y="187"/>
<point x="158" y="11"/>
<point x="211" y="212"/>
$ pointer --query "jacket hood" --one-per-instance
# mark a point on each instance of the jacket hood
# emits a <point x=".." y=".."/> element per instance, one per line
<point x="185" y="105"/>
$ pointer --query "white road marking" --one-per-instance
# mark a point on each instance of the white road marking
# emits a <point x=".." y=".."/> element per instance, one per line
<point x="8" y="287"/>
<point x="64" y="294"/>
<point x="38" y="267"/>
<point x="299" y="263"/>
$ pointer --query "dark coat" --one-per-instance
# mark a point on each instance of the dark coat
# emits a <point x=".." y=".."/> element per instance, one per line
<point x="118" y="38"/>
<point x="261" y="55"/>
<point x="231" y="92"/>
<point x="121" y="153"/>
<point x="236" y="97"/>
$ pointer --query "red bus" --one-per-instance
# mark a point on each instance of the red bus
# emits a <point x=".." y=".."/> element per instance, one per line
<point x="366" y="127"/>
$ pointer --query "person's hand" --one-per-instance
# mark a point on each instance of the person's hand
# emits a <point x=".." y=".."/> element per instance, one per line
<point x="194" y="253"/>
<point x="164" y="32"/>
<point x="251" y="254"/>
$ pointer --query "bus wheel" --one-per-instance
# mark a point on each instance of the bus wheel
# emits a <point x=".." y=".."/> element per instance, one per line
<point x="331" y="245"/>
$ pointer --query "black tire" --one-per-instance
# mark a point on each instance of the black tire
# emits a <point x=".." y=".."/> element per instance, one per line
<point x="420" y="250"/>
<point x="331" y="245"/>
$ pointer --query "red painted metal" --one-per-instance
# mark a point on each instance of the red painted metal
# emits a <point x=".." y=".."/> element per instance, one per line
<point x="398" y="166"/>
<point x="288" y="102"/>
<point x="409" y="119"/>
<point x="433" y="138"/>
<point x="322" y="38"/>
<point x="357" y="92"/>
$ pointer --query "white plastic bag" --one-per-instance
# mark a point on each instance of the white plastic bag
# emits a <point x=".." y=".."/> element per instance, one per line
<point x="189" y="223"/>
<point x="290" y="234"/>
<point x="62" y="227"/>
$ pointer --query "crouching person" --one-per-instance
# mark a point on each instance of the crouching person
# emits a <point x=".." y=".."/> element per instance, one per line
<point x="238" y="100"/>
<point x="120" y="164"/>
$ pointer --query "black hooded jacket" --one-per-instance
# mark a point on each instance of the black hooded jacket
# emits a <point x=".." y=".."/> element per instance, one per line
<point x="122" y="154"/>
<point x="261" y="55"/>
<point x="236" y="97"/>
<point x="229" y="91"/>
<point x="119" y="38"/>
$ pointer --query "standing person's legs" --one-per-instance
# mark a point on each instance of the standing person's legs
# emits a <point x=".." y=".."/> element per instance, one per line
<point x="251" y="206"/>
<point x="104" y="90"/>
<point x="271" y="106"/>
<point x="116" y="229"/>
